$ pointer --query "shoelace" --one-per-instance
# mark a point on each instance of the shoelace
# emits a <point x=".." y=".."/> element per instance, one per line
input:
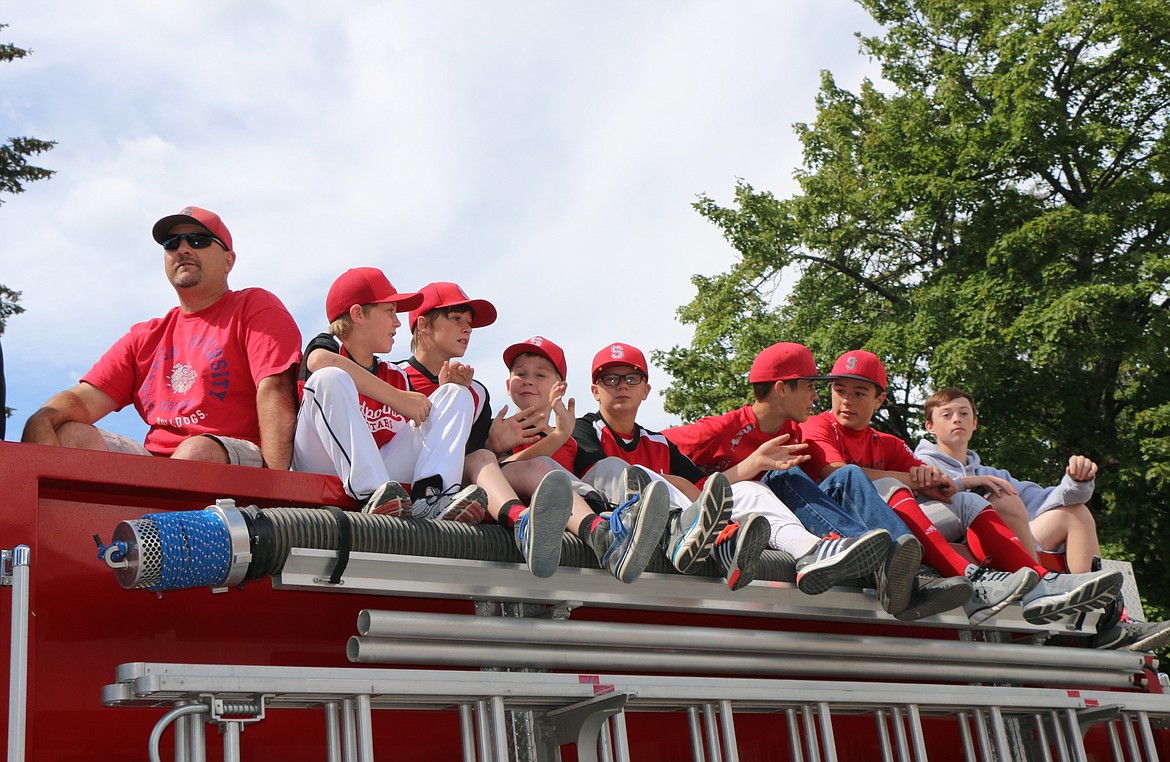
<point x="617" y="523"/>
<point x="985" y="574"/>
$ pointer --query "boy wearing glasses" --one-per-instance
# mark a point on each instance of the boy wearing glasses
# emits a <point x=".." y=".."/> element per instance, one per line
<point x="700" y="505"/>
<point x="213" y="378"/>
<point x="624" y="540"/>
<point x="360" y="421"/>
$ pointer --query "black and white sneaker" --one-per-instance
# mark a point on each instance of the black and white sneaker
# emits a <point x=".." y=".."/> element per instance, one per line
<point x="691" y="533"/>
<point x="934" y="594"/>
<point x="836" y="559"/>
<point x="1134" y="636"/>
<point x="542" y="527"/>
<point x="738" y="548"/>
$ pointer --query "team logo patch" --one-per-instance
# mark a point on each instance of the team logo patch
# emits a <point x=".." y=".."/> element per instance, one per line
<point x="182" y="378"/>
<point x="851" y="363"/>
<point x="617" y="351"/>
<point x="536" y="340"/>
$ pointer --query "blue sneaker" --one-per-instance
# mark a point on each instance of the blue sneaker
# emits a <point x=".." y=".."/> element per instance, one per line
<point x="539" y="531"/>
<point x="627" y="542"/>
<point x="691" y="533"/>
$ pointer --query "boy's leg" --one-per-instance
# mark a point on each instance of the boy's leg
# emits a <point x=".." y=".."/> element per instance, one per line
<point x="854" y="491"/>
<point x="332" y="436"/>
<point x="1073" y="527"/>
<point x="444" y="435"/>
<point x="1012" y="511"/>
<point x="820" y="513"/>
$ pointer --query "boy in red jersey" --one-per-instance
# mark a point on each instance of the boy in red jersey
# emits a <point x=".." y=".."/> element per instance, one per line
<point x="763" y="437"/>
<point x="843" y="435"/>
<point x="624" y="539"/>
<point x="699" y="516"/>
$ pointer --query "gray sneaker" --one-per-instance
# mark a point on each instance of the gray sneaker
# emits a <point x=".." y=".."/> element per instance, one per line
<point x="738" y="548"/>
<point x="1135" y="636"/>
<point x="995" y="590"/>
<point x="626" y="542"/>
<point x="934" y="594"/>
<point x="836" y="559"/>
<point x="456" y="503"/>
<point x="634" y="480"/>
<point x="388" y="500"/>
<point x="894" y="580"/>
<point x="691" y="534"/>
<point x="1059" y="595"/>
<point x="540" y="530"/>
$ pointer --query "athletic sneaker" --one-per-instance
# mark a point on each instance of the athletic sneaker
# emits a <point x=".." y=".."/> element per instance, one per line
<point x="388" y="500"/>
<point x="894" y="580"/>
<point x="934" y="594"/>
<point x="835" y="559"/>
<point x="1134" y="636"/>
<point x="456" y="503"/>
<point x="691" y="533"/>
<point x="541" y="528"/>
<point x="626" y="541"/>
<point x="995" y="590"/>
<point x="738" y="547"/>
<point x="634" y="480"/>
<point x="1059" y="595"/>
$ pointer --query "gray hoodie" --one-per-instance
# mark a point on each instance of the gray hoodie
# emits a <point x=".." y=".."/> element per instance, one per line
<point x="1036" y="499"/>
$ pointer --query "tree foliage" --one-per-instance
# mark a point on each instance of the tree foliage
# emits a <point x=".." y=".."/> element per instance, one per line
<point x="995" y="215"/>
<point x="15" y="171"/>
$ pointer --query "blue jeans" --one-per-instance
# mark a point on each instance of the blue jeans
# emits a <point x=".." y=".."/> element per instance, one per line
<point x="845" y="502"/>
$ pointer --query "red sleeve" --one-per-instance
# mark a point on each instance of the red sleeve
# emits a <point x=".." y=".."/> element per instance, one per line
<point x="116" y="372"/>
<point x="823" y="449"/>
<point x="897" y="454"/>
<point x="699" y="441"/>
<point x="271" y="337"/>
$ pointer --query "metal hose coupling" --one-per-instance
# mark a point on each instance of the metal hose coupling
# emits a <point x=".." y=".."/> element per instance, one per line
<point x="172" y="551"/>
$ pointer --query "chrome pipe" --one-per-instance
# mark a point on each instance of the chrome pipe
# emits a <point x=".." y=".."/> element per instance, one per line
<point x="712" y="729"/>
<point x="696" y="728"/>
<point x="828" y="740"/>
<point x="727" y="723"/>
<point x="332" y="731"/>
<point x="18" y="655"/>
<point x="367" y="650"/>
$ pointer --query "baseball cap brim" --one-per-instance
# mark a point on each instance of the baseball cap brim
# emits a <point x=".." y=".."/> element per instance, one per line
<point x="162" y="229"/>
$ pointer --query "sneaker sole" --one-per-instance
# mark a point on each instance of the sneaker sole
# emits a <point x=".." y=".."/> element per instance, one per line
<point x="1093" y="594"/>
<point x="466" y="508"/>
<point x="1152" y="642"/>
<point x="901" y="568"/>
<point x="635" y="480"/>
<point x="391" y="499"/>
<point x="865" y="555"/>
<point x="646" y="533"/>
<point x="936" y="596"/>
<point x="548" y="512"/>
<point x="714" y="512"/>
<point x="751" y="539"/>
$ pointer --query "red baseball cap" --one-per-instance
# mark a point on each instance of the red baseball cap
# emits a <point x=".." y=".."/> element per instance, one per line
<point x="365" y="285"/>
<point x="193" y="215"/>
<point x="785" y="361"/>
<point x="619" y="354"/>
<point x="861" y="366"/>
<point x="538" y="345"/>
<point x="436" y="295"/>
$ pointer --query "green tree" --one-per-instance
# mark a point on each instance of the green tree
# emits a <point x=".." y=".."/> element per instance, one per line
<point x="15" y="171"/>
<point x="996" y="216"/>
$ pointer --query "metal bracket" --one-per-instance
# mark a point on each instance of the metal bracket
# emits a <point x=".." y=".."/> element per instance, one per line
<point x="5" y="568"/>
<point x="580" y="724"/>
<point x="235" y="710"/>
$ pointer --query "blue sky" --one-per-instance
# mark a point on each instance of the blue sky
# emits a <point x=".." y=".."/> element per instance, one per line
<point x="544" y="155"/>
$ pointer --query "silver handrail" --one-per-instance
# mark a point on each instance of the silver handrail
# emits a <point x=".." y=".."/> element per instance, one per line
<point x="18" y="654"/>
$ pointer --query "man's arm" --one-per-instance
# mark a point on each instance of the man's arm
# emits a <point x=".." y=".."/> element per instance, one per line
<point x="276" y="407"/>
<point x="84" y="403"/>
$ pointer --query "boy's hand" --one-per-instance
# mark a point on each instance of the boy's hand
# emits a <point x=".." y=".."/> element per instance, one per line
<point x="929" y="481"/>
<point x="506" y="434"/>
<point x="995" y="485"/>
<point x="774" y="455"/>
<point x="566" y="415"/>
<point x="455" y="372"/>
<point x="1081" y="469"/>
<point x="414" y="406"/>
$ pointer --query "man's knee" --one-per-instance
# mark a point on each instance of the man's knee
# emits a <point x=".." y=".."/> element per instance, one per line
<point x="82" y="436"/>
<point x="200" y="448"/>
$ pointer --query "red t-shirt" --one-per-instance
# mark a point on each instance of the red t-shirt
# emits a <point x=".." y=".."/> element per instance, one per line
<point x="196" y="373"/>
<point x="565" y="456"/>
<point x="830" y="442"/>
<point x="718" y="442"/>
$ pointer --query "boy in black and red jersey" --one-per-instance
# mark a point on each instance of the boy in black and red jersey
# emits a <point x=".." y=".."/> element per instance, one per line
<point x="356" y="413"/>
<point x="700" y="514"/>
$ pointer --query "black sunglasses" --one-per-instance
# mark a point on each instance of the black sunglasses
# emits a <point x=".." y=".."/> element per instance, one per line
<point x="194" y="240"/>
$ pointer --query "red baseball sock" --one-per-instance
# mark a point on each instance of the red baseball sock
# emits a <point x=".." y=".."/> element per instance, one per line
<point x="1001" y="545"/>
<point x="936" y="551"/>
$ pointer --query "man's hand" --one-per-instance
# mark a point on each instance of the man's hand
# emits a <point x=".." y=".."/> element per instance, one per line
<point x="1081" y="469"/>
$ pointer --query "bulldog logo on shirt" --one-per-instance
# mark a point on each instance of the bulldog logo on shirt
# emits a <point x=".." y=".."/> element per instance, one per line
<point x="182" y="378"/>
